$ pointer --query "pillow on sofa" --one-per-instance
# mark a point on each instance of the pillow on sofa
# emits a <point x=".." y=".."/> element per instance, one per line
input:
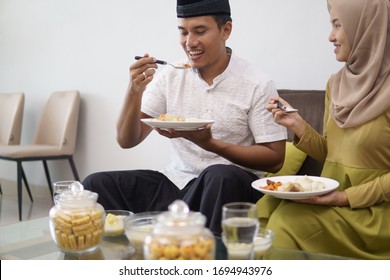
<point x="293" y="161"/>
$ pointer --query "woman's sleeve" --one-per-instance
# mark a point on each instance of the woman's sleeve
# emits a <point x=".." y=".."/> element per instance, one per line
<point x="370" y="193"/>
<point x="312" y="143"/>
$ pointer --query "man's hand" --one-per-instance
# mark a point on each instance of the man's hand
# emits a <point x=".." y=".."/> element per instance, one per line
<point x="199" y="137"/>
<point x="141" y="73"/>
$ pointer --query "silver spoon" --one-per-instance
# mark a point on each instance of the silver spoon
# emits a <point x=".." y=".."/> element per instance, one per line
<point x="162" y="62"/>
<point x="286" y="109"/>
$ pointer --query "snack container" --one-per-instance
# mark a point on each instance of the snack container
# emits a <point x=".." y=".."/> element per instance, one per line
<point x="180" y="234"/>
<point x="77" y="220"/>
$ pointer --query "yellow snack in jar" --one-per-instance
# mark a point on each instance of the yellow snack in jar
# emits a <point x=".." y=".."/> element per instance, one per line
<point x="80" y="242"/>
<point x="81" y="221"/>
<point x="64" y="230"/>
<point x="200" y="249"/>
<point x="77" y="230"/>
<point x="59" y="238"/>
<point x="186" y="251"/>
<point x="72" y="241"/>
<point x="88" y="240"/>
<point x="64" y="217"/>
<point x="96" y="236"/>
<point x="82" y="233"/>
<point x="65" y="240"/>
<point x="64" y="224"/>
<point x="83" y="227"/>
<point x="171" y="251"/>
<point x="98" y="224"/>
<point x="79" y="215"/>
<point x="96" y="214"/>
<point x="74" y="220"/>
<point x="157" y="250"/>
<point x="209" y="243"/>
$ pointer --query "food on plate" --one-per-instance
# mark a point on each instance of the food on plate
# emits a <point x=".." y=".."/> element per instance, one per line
<point x="300" y="184"/>
<point x="167" y="117"/>
<point x="272" y="186"/>
<point x="291" y="187"/>
<point x="114" y="225"/>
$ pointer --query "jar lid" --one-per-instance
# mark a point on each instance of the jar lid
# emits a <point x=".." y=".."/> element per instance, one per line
<point x="77" y="195"/>
<point x="179" y="215"/>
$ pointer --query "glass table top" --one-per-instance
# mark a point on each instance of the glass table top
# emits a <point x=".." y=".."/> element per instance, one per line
<point x="32" y="240"/>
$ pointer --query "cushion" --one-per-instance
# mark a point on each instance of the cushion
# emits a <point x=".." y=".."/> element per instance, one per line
<point x="293" y="161"/>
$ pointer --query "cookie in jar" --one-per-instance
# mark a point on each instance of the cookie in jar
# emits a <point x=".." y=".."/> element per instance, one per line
<point x="180" y="234"/>
<point x="77" y="220"/>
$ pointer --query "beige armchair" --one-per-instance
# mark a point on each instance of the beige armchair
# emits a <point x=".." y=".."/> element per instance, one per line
<point x="55" y="138"/>
<point x="11" y="120"/>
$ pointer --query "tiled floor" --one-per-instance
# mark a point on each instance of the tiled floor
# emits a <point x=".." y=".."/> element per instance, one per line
<point x="40" y="207"/>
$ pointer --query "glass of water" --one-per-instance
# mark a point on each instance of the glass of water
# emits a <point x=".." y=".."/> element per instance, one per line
<point x="61" y="186"/>
<point x="240" y="225"/>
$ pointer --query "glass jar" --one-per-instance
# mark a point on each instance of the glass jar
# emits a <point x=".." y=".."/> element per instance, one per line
<point x="180" y="234"/>
<point x="77" y="220"/>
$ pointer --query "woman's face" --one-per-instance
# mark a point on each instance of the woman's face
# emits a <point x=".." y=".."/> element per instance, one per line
<point x="339" y="40"/>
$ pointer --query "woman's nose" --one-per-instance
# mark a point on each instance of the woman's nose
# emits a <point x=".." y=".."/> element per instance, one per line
<point x="331" y="37"/>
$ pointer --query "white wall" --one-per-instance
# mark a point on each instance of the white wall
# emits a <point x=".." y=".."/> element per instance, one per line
<point x="88" y="45"/>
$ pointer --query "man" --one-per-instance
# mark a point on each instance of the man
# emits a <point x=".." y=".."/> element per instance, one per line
<point x="216" y="164"/>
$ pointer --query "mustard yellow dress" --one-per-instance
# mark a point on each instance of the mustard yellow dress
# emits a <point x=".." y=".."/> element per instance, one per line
<point x="359" y="159"/>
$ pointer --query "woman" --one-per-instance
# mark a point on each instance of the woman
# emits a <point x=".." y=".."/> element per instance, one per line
<point x="354" y="220"/>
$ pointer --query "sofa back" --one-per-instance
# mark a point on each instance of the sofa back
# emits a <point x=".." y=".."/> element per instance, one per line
<point x="311" y="105"/>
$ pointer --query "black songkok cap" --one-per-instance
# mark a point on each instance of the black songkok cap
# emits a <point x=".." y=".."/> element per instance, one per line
<point x="196" y="8"/>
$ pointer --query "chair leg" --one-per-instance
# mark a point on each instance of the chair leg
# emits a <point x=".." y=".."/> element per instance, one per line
<point x="1" y="191"/>
<point x="26" y="183"/>
<point x="19" y="175"/>
<point x="74" y="170"/>
<point x="48" y="177"/>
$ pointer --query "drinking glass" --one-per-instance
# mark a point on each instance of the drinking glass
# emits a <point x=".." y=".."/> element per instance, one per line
<point x="61" y="186"/>
<point x="239" y="228"/>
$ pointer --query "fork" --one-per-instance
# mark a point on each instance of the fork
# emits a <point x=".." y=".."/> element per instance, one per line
<point x="286" y="109"/>
<point x="162" y="62"/>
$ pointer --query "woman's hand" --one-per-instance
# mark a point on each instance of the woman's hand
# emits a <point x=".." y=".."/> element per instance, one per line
<point x="292" y="121"/>
<point x="335" y="198"/>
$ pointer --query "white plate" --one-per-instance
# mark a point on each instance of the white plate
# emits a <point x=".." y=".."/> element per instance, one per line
<point x="188" y="125"/>
<point x="329" y="183"/>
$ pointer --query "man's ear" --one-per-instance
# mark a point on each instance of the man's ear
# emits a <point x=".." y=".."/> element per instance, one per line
<point x="227" y="30"/>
